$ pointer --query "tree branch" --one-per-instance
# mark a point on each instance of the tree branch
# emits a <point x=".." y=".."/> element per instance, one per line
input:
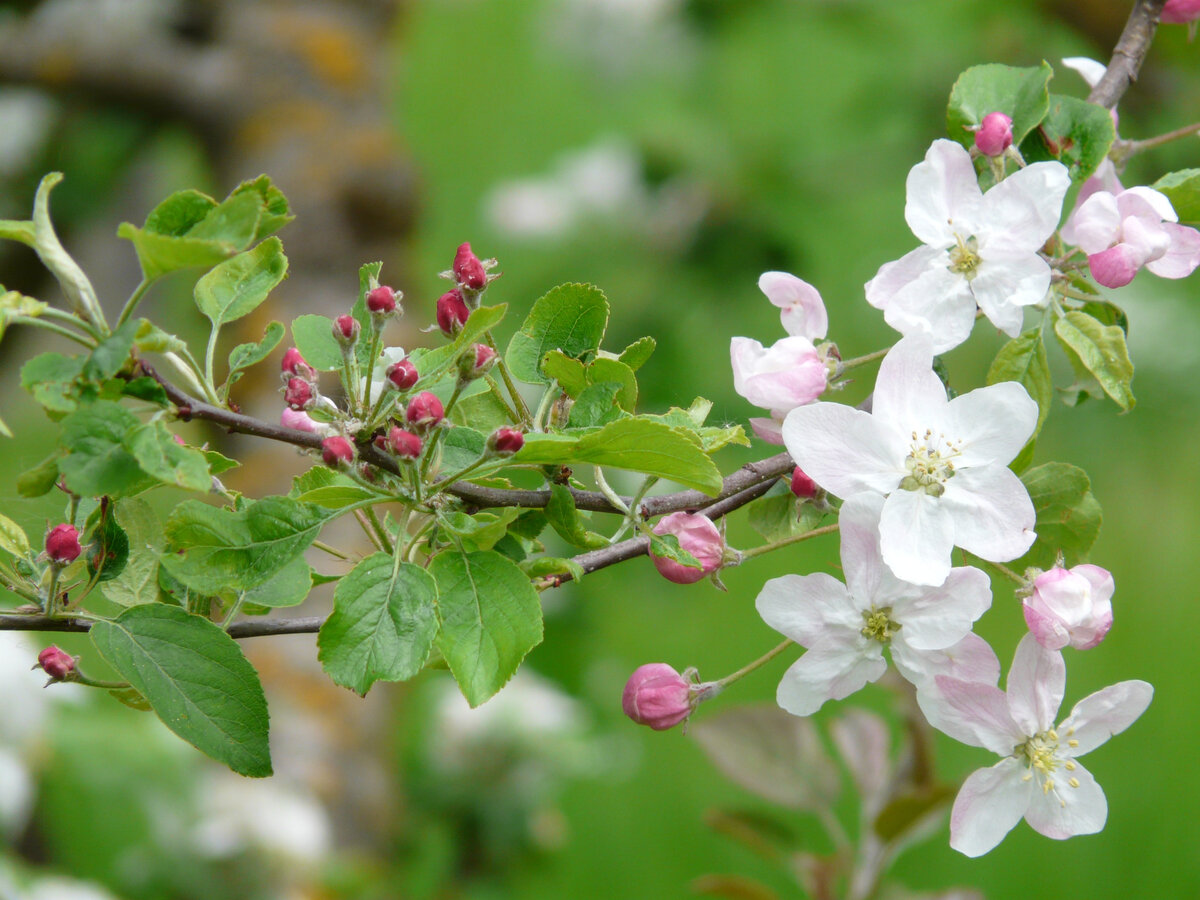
<point x="1129" y="54"/>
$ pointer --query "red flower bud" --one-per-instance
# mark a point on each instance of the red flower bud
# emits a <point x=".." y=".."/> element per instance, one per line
<point x="56" y="663"/>
<point x="452" y="312"/>
<point x="803" y="486"/>
<point x="994" y="135"/>
<point x="468" y="270"/>
<point x="402" y="375"/>
<point x="424" y="411"/>
<point x="1180" y="12"/>
<point x="505" y="441"/>
<point x="476" y="361"/>
<point x="382" y="300"/>
<point x="295" y="364"/>
<point x="62" y="544"/>
<point x="298" y="394"/>
<point x="345" y="330"/>
<point x="403" y="443"/>
<point x="658" y="696"/>
<point x="699" y="537"/>
<point x="337" y="450"/>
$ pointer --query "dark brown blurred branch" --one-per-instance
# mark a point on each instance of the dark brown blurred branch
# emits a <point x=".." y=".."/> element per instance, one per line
<point x="1129" y="54"/>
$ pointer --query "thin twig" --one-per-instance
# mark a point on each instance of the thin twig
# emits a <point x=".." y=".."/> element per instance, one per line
<point x="1129" y="54"/>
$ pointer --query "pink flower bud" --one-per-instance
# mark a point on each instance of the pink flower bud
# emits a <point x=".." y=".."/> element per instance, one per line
<point x="403" y="443"/>
<point x="780" y="378"/>
<point x="62" y="544"/>
<point x="295" y="364"/>
<point x="994" y="135"/>
<point x="505" y="441"/>
<point x="1070" y="606"/>
<point x="658" y="696"/>
<point x="382" y="300"/>
<point x="424" y="411"/>
<point x="476" y="361"/>
<point x="1180" y="12"/>
<point x="337" y="450"/>
<point x="298" y="394"/>
<point x="301" y="421"/>
<point x="468" y="270"/>
<point x="803" y="486"/>
<point x="345" y="330"/>
<point x="452" y="312"/>
<point x="699" y="537"/>
<point x="56" y="663"/>
<point x="402" y="375"/>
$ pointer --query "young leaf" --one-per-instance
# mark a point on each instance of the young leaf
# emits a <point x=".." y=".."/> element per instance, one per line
<point x="1068" y="515"/>
<point x="1023" y="360"/>
<point x="552" y="565"/>
<point x="1098" y="351"/>
<point x="290" y="586"/>
<point x="51" y="379"/>
<point x="604" y="370"/>
<point x="570" y="373"/>
<point x="383" y="624"/>
<point x="571" y="318"/>
<point x="237" y="286"/>
<point x="313" y="337"/>
<point x="1021" y="94"/>
<point x="109" y="549"/>
<point x="780" y="515"/>
<point x="154" y="447"/>
<point x="13" y="539"/>
<point x="596" y="405"/>
<point x="98" y="462"/>
<point x="1076" y="133"/>
<point x="14" y="304"/>
<point x="195" y="678"/>
<point x="245" y="355"/>
<point x="636" y="354"/>
<point x="40" y="479"/>
<point x="491" y="617"/>
<point x="564" y="519"/>
<point x="275" y="211"/>
<point x="433" y="363"/>
<point x="1183" y="190"/>
<point x="137" y="582"/>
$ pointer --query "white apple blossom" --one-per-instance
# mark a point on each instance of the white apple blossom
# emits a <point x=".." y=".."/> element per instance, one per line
<point x="1038" y="778"/>
<point x="980" y="249"/>
<point x="942" y="464"/>
<point x="778" y="378"/>
<point x="1070" y="606"/>
<point x="802" y="311"/>
<point x="846" y="626"/>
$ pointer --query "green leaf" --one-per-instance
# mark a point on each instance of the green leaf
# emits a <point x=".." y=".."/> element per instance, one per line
<point x="211" y="549"/>
<point x="1098" y="351"/>
<point x="179" y="213"/>
<point x="1106" y="313"/>
<point x="152" y="339"/>
<point x="137" y="582"/>
<point x="1183" y="190"/>
<point x="564" y="518"/>
<point x="780" y="515"/>
<point x="1068" y="515"/>
<point x="109" y="546"/>
<point x="275" y="211"/>
<point x="552" y="565"/>
<point x="636" y="444"/>
<point x="245" y="355"/>
<point x="144" y="388"/>
<point x="39" y="480"/>
<point x="491" y="618"/>
<point x="54" y="257"/>
<point x="383" y="624"/>
<point x="667" y="546"/>
<point x="160" y="254"/>
<point x="154" y="447"/>
<point x="13" y="539"/>
<point x="909" y="809"/>
<point x="709" y="438"/>
<point x="111" y="354"/>
<point x="1021" y="94"/>
<point x="14" y="304"/>
<point x="570" y="374"/>
<point x="483" y="411"/>
<point x="51" y="379"/>
<point x="1023" y="360"/>
<point x="195" y="678"/>
<point x="1076" y="133"/>
<point x="571" y="318"/>
<point x="98" y="462"/>
<point x="237" y="286"/>
<point x="461" y="446"/>
<point x="637" y="353"/>
<point x="433" y="363"/>
<point x="330" y="489"/>
<point x="313" y="337"/>
<point x="596" y="405"/>
<point x="605" y="370"/>
<point x="483" y="529"/>
<point x="290" y="586"/>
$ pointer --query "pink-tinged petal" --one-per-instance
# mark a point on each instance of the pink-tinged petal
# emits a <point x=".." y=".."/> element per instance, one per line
<point x="802" y="309"/>
<point x="1036" y="683"/>
<point x="1146" y="203"/>
<point x="942" y="616"/>
<point x="1183" y="255"/>
<point x="1047" y="630"/>
<point x="783" y="376"/>
<point x="862" y="564"/>
<point x="1004" y="286"/>
<point x="770" y="430"/>
<point x="1180" y="12"/>
<point x="299" y="420"/>
<point x="1104" y="179"/>
<point x="1099" y="716"/>
<point x="988" y="806"/>
<point x="938" y="305"/>
<point x="1095" y="225"/>
<point x="810" y="609"/>
<point x="943" y="195"/>
<point x="844" y="450"/>
<point x="1091" y="70"/>
<point x="979" y="712"/>
<point x="916" y="537"/>
<point x="895" y="276"/>
<point x="832" y="671"/>
<point x="1147" y="238"/>
<point x="1114" y="267"/>
<point x="991" y="424"/>
<point x="1075" y="805"/>
<point x="1023" y="210"/>
<point x="908" y="394"/>
<point x="992" y="514"/>
<point x="971" y="660"/>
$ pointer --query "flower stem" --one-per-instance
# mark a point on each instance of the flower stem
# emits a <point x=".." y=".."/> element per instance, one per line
<point x="134" y="299"/>
<point x="758" y="663"/>
<point x="57" y="329"/>
<point x="331" y="550"/>
<point x="783" y="542"/>
<point x="848" y="364"/>
<point x="518" y="400"/>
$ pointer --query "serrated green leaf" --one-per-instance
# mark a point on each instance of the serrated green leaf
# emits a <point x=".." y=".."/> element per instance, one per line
<point x="571" y="318"/>
<point x="1106" y="313"/>
<point x="1076" y="133"/>
<point x="54" y="256"/>
<point x="275" y="211"/>
<point x="461" y="446"/>
<point x="109" y="546"/>
<point x="152" y="339"/>
<point x="237" y="286"/>
<point x="597" y="404"/>
<point x="1021" y="94"/>
<point x="383" y="624"/>
<point x="144" y="388"/>
<point x="159" y="456"/>
<point x="564" y="518"/>
<point x="13" y="539"/>
<point x="491" y="618"/>
<point x="483" y="411"/>
<point x="709" y="438"/>
<point x="195" y="678"/>
<point x="313" y="337"/>
<point x="290" y="586"/>
<point x="1098" y="351"/>
<point x="780" y="515"/>
<point x="51" y="379"/>
<point x="179" y="213"/>
<point x="39" y="480"/>
<point x="335" y="493"/>
<point x="137" y="582"/>
<point x="570" y="373"/>
<point x="1068" y="515"/>
<point x="552" y="565"/>
<point x="1023" y="360"/>
<point x="1183" y="190"/>
<point x="637" y="353"/>
<point x="433" y="363"/>
<point x="14" y="304"/>
<point x="667" y="546"/>
<point x="111" y="354"/>
<point x="602" y="370"/>
<point x="98" y="463"/>
<point x="483" y="529"/>
<point x="245" y="355"/>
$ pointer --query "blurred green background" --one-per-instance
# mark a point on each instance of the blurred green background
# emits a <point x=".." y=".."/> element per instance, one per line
<point x="669" y="152"/>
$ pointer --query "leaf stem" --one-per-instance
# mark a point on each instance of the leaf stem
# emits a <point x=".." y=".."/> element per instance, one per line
<point x="783" y="542"/>
<point x="518" y="400"/>
<point x="380" y="532"/>
<point x="38" y="322"/>
<point x="134" y="299"/>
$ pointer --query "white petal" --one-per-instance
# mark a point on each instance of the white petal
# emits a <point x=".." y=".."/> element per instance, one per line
<point x="1095" y="225"/>
<point x="1091" y="70"/>
<point x="1003" y="287"/>
<point x="979" y="713"/>
<point x="972" y="659"/>
<point x="916" y="536"/>
<point x="808" y="608"/>
<point x="862" y="563"/>
<point x="937" y="304"/>
<point x="991" y="424"/>
<point x="1183" y="255"/>
<point x="1065" y="811"/>
<point x="1147" y="203"/>
<point x="943" y="191"/>
<point x="1023" y="210"/>
<point x="908" y="394"/>
<point x="1036" y="683"/>
<point x="1099" y="716"/>
<point x="803" y="310"/>
<point x="942" y="616"/>
<point x="992" y="514"/>
<point x="893" y="277"/>
<point x="844" y="450"/>
<point x="831" y="671"/>
<point x="989" y="804"/>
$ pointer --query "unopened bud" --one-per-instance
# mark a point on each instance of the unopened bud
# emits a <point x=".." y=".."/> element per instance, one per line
<point x="699" y="537"/>
<point x="298" y="394"/>
<point x="803" y="486"/>
<point x="382" y="300"/>
<point x="402" y="443"/>
<point x="476" y="361"/>
<point x="402" y="375"/>
<point x="994" y="135"/>
<point x="658" y="696"/>
<point x="56" y="663"/>
<point x="468" y="270"/>
<point x="337" y="451"/>
<point x="295" y="364"/>
<point x="505" y="442"/>
<point x="424" y="411"/>
<point x="452" y="312"/>
<point x="299" y="420"/>
<point x="1070" y="606"/>
<point x="345" y="330"/>
<point x="1180" y="12"/>
<point x="62" y="544"/>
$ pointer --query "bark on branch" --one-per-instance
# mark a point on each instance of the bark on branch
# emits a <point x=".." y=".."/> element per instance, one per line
<point x="1129" y="54"/>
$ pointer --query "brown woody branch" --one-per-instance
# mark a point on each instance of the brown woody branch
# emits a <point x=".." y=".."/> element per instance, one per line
<point x="1129" y="54"/>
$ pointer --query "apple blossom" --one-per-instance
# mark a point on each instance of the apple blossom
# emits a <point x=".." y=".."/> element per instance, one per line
<point x="658" y="696"/>
<point x="402" y="374"/>
<point x="994" y="135"/>
<point x="298" y="393"/>
<point x="337" y="450"/>
<point x="1038" y="778"/>
<point x="402" y="443"/>
<point x="56" y="663"/>
<point x="300" y="420"/>
<point x="505" y="442"/>
<point x="424" y="411"/>
<point x="62" y="544"/>
<point x="802" y="311"/>
<point x="942" y="464"/>
<point x="780" y="378"/>
<point x="1180" y="12"/>
<point x="468" y="270"/>
<point x="1137" y="227"/>
<point x="452" y="312"/>
<point x="1070" y="606"/>
<point x="846" y="626"/>
<point x="980" y="249"/>
<point x="699" y="537"/>
<point x="293" y="363"/>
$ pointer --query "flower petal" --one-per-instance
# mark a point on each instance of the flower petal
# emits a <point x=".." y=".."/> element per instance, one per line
<point x="1091" y="70"/>
<point x="908" y="394"/>
<point x="978" y="713"/>
<point x="809" y="609"/>
<point x="989" y="804"/>
<point x="972" y="659"/>
<point x="992" y="514"/>
<point x="769" y="430"/>
<point x="802" y="309"/>
<point x="1067" y="810"/>
<point x="1146" y="203"/>
<point x="1096" y="223"/>
<point x="943" y="192"/>
<point x="1182" y="257"/>
<point x="991" y="424"/>
<point x="844" y="450"/>
<point x="916" y="536"/>
<point x="1116" y="266"/>
<point x="862" y="564"/>
<point x="938" y="304"/>
<point x="1004" y="286"/>
<point x="1036" y="683"/>
<point x="1023" y="210"/>
<point x="1109" y="711"/>
<point x="942" y="616"/>
<point x="832" y="671"/>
